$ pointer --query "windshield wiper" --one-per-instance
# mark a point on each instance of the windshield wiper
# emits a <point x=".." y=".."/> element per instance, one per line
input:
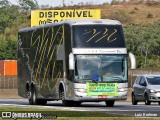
<point x="119" y="78"/>
<point x="88" y="79"/>
<point x="91" y="79"/>
<point x="94" y="81"/>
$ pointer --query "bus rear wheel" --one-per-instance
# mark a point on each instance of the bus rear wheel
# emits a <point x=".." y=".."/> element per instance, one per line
<point x="109" y="103"/>
<point x="32" y="97"/>
<point x="33" y="100"/>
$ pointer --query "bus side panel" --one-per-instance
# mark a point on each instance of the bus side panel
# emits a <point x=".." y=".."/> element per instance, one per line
<point x="41" y="61"/>
<point x="50" y="62"/>
<point x="69" y="74"/>
<point x="23" y="73"/>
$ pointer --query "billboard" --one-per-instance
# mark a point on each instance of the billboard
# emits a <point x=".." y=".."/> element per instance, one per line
<point x="8" y="68"/>
<point x="41" y="17"/>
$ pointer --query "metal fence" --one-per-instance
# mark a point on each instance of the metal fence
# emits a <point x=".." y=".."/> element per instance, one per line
<point x="8" y="82"/>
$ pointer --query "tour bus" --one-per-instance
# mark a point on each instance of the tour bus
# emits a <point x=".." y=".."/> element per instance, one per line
<point x="81" y="60"/>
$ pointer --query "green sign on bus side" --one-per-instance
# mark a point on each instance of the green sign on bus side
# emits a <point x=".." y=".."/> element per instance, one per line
<point x="106" y="89"/>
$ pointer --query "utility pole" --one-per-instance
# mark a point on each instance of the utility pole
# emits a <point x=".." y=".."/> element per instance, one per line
<point x="63" y="3"/>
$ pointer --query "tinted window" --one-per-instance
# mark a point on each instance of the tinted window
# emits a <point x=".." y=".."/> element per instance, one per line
<point x="137" y="80"/>
<point x="98" y="36"/>
<point x="153" y="80"/>
<point x="142" y="81"/>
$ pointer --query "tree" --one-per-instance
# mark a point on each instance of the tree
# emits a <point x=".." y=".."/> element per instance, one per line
<point x="4" y="3"/>
<point x="27" y="5"/>
<point x="144" y="42"/>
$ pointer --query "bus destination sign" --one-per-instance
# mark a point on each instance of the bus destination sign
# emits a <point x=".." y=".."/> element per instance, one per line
<point x="107" y="89"/>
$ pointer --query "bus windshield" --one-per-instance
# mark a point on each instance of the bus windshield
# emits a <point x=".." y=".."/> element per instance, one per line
<point x="91" y="36"/>
<point x="108" y="68"/>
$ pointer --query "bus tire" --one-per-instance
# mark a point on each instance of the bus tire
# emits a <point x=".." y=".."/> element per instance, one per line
<point x="62" y="97"/>
<point x="33" y="97"/>
<point x="30" y="99"/>
<point x="109" y="103"/>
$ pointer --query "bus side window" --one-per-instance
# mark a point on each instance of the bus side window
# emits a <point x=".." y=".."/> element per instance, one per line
<point x="67" y="40"/>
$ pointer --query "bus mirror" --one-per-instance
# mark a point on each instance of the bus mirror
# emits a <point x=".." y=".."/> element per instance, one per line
<point x="133" y="61"/>
<point x="71" y="61"/>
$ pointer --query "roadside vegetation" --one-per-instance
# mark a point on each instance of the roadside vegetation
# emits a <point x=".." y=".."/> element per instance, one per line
<point x="69" y="115"/>
<point x="141" y="22"/>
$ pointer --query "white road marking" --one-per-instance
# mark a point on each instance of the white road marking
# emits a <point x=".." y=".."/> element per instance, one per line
<point x="43" y="107"/>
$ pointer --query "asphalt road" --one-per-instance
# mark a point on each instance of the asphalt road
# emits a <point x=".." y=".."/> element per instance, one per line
<point x="122" y="107"/>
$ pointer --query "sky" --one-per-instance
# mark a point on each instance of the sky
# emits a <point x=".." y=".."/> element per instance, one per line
<point x="67" y="2"/>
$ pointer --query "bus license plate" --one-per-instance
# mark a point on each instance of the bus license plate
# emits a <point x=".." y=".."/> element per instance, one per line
<point x="100" y="96"/>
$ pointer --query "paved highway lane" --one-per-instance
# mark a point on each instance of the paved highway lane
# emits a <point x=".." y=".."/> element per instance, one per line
<point x="123" y="108"/>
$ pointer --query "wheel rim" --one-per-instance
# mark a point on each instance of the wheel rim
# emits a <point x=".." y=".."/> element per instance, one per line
<point x="29" y="94"/>
<point x="146" y="100"/>
<point x="62" y="95"/>
<point x="34" y="97"/>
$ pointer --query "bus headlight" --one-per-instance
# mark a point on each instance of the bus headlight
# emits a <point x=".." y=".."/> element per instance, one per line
<point x="80" y="90"/>
<point x="122" y="89"/>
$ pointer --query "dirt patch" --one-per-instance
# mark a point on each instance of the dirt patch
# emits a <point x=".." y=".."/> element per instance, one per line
<point x="9" y="93"/>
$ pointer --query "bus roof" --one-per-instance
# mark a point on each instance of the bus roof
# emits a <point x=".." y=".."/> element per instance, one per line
<point x="75" y="22"/>
<point x="91" y="21"/>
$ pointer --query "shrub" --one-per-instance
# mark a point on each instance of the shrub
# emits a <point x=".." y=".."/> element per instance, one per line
<point x="114" y="2"/>
<point x="132" y="12"/>
<point x="136" y="8"/>
<point x="120" y="16"/>
<point x="149" y="15"/>
<point x="153" y="3"/>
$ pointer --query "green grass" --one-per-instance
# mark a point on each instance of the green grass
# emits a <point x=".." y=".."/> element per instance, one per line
<point x="70" y="115"/>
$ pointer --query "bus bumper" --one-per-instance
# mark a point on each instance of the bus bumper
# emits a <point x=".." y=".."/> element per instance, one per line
<point x="84" y="98"/>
